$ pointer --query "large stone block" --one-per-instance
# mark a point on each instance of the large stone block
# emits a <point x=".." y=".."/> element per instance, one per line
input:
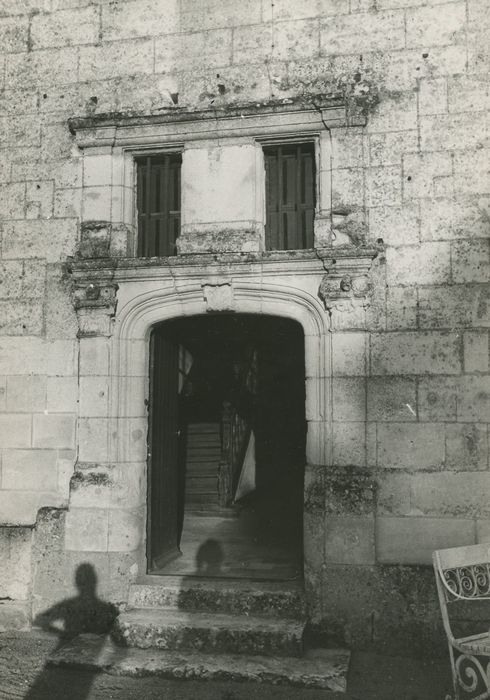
<point x="26" y="393"/>
<point x="41" y="68"/>
<point x="15" y="430"/>
<point x="437" y="398"/>
<point x="410" y="445"/>
<point x="476" y="351"/>
<point x="218" y="14"/>
<point x="21" y="318"/>
<point x="388" y="149"/>
<point x="349" y="444"/>
<point x="109" y="486"/>
<point x="349" y="354"/>
<point x="126" y="530"/>
<point x="401" y="308"/>
<point x="453" y="306"/>
<point x="12" y="200"/>
<point x="427" y="263"/>
<point x="474" y="398"/>
<point x="471" y="170"/>
<point x="454" y="131"/>
<point x="415" y="353"/>
<point x="448" y="219"/>
<point x="468" y="94"/>
<point x="349" y="491"/>
<point x="27" y="239"/>
<point x="391" y="399"/>
<point x="425" y="29"/>
<point x="65" y="27"/>
<point x="14" y="34"/>
<point x="218" y="185"/>
<point x="384" y="186"/>
<point x="466" y="446"/>
<point x="94" y="396"/>
<point x="427" y="175"/>
<point x="349" y="540"/>
<point x="62" y="394"/>
<point x="86" y="530"/>
<point x="212" y="48"/>
<point x="15" y="562"/>
<point x="94" y="356"/>
<point x="433" y="96"/>
<point x="383" y="31"/>
<point x="93" y="439"/>
<point x="52" y="430"/>
<point x="114" y="59"/>
<point x="395" y="225"/>
<point x="292" y="40"/>
<point x="349" y="399"/>
<point x="11" y="279"/>
<point x="393" y="495"/>
<point x="412" y="540"/>
<point x="31" y="470"/>
<point x="471" y="260"/>
<point x="141" y="19"/>
<point x="396" y="112"/>
<point x="457" y="494"/>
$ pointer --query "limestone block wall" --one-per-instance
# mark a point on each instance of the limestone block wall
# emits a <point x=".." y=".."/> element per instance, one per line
<point x="408" y="465"/>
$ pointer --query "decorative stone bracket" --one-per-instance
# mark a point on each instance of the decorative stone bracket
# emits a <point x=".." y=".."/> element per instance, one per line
<point x="346" y="285"/>
<point x="94" y="297"/>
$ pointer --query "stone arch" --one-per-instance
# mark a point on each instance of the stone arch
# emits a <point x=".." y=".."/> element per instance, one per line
<point x="138" y="314"/>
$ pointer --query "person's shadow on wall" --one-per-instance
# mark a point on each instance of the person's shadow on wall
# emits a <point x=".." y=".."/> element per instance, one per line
<point x="85" y="613"/>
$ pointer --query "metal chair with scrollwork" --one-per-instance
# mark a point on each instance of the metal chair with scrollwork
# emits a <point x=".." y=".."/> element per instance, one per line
<point x="463" y="574"/>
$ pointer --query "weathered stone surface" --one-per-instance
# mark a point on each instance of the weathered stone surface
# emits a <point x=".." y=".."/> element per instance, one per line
<point x="265" y="598"/>
<point x="411" y="540"/>
<point x="322" y="668"/>
<point x="166" y="629"/>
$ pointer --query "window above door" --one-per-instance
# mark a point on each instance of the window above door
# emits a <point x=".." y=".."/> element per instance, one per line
<point x="290" y="193"/>
<point x="248" y="179"/>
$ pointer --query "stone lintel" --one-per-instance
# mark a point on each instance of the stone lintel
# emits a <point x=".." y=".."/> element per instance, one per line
<point x="313" y="113"/>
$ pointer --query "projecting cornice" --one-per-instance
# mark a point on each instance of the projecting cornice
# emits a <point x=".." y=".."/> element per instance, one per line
<point x="272" y="118"/>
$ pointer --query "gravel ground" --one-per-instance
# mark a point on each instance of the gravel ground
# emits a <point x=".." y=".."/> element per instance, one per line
<point x="24" y="675"/>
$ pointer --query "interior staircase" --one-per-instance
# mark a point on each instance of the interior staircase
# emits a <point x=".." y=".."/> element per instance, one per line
<point x="202" y="461"/>
<point x="180" y="627"/>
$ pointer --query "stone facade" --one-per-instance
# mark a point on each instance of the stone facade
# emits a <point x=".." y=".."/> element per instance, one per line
<point x="393" y="303"/>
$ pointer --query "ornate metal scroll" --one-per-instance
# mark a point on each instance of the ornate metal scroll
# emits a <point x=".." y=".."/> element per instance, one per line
<point x="468" y="582"/>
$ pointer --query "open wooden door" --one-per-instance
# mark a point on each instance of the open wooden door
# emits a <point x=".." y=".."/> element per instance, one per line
<point x="164" y="507"/>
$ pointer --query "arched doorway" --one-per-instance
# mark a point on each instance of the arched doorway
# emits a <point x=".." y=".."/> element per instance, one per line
<point x="227" y="434"/>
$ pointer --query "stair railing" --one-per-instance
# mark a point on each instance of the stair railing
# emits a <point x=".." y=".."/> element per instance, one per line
<point x="235" y="436"/>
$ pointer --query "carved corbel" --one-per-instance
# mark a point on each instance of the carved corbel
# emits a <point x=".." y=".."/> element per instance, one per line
<point x="95" y="302"/>
<point x="346" y="287"/>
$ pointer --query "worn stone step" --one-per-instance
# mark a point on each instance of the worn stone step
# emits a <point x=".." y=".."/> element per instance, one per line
<point x="257" y="598"/>
<point x="323" y="668"/>
<point x="209" y="632"/>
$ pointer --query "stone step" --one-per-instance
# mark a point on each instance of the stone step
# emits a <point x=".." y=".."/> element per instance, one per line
<point x="323" y="668"/>
<point x="209" y="632"/>
<point x="257" y="598"/>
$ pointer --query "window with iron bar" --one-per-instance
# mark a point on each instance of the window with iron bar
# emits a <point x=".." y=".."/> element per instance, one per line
<point x="158" y="202"/>
<point x="290" y="184"/>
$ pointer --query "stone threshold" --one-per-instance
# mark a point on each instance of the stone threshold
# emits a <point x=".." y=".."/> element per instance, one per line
<point x="319" y="668"/>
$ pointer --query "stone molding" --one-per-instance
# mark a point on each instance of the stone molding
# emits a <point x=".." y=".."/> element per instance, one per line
<point x="268" y="118"/>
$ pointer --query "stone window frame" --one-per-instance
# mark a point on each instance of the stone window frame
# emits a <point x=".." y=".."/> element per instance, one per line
<point x="123" y="138"/>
